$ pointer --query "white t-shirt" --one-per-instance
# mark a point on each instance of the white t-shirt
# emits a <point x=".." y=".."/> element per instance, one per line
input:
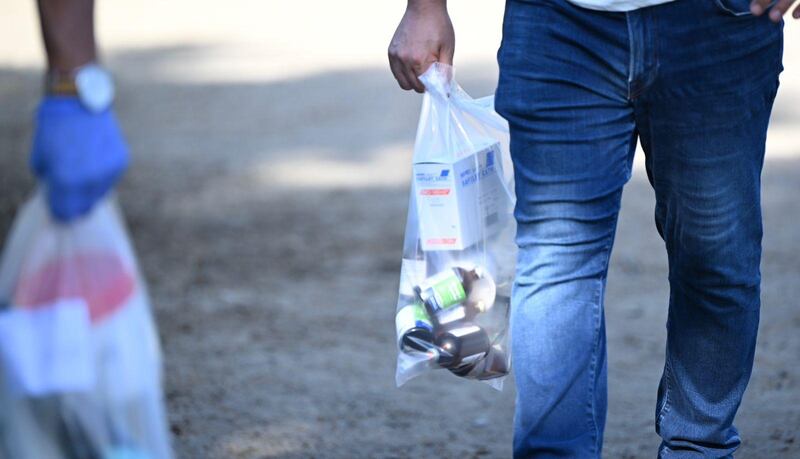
<point x="616" y="5"/>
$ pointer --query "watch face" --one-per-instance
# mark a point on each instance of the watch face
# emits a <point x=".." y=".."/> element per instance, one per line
<point x="95" y="87"/>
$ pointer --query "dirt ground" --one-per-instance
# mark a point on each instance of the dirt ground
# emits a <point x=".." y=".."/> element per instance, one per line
<point x="267" y="201"/>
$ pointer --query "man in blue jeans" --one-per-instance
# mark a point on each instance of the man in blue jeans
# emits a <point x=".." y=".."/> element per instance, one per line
<point x="580" y="82"/>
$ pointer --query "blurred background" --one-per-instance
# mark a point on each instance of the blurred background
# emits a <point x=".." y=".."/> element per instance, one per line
<point x="267" y="201"/>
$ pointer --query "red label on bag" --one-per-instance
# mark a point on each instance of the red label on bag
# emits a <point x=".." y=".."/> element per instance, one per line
<point x="100" y="279"/>
<point x="435" y="192"/>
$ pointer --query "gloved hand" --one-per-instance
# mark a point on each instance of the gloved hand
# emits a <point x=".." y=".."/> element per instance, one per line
<point x="77" y="154"/>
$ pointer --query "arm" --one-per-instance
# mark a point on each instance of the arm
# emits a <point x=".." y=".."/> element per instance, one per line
<point x="68" y="32"/>
<point x="78" y="151"/>
<point x="425" y="35"/>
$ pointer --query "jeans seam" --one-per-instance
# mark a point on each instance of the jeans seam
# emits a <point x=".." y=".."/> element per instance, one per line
<point x="598" y="300"/>
<point x="665" y="405"/>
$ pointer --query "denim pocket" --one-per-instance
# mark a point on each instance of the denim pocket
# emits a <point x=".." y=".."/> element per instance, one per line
<point x="737" y="7"/>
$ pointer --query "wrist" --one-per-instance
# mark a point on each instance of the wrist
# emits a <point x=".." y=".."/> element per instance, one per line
<point x="66" y="64"/>
<point x="90" y="83"/>
<point x="60" y="83"/>
<point x="423" y="6"/>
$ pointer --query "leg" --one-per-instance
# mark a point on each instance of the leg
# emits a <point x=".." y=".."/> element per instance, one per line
<point x="703" y="125"/>
<point x="572" y="141"/>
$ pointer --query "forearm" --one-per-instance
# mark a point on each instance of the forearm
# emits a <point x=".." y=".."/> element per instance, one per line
<point x="68" y="32"/>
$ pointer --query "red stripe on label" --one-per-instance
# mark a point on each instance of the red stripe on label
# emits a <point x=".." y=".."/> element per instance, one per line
<point x="435" y="192"/>
<point x="442" y="241"/>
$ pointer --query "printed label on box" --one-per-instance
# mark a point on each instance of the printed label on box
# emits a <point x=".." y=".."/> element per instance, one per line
<point x="460" y="203"/>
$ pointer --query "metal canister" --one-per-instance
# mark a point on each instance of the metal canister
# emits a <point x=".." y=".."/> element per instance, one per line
<point x="461" y="345"/>
<point x="414" y="328"/>
<point x="481" y="293"/>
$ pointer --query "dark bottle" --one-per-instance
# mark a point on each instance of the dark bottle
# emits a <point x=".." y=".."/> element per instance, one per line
<point x="494" y="365"/>
<point x="461" y="345"/>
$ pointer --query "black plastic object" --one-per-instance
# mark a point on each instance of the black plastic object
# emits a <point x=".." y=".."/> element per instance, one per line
<point x="463" y="344"/>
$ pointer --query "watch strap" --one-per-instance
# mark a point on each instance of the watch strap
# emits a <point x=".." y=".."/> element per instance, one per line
<point x="60" y="84"/>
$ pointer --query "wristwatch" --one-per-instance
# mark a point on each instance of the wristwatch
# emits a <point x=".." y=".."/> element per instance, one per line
<point x="91" y="83"/>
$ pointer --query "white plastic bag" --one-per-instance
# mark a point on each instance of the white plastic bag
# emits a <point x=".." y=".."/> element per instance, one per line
<point x="80" y="367"/>
<point x="459" y="252"/>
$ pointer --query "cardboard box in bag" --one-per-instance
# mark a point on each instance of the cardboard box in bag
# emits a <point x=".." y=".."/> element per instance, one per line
<point x="460" y="202"/>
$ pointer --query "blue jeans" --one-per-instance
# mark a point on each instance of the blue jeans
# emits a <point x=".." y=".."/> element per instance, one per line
<point x="694" y="81"/>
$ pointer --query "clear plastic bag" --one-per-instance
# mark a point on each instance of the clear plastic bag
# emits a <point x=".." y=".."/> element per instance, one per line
<point x="459" y="252"/>
<point x="80" y="366"/>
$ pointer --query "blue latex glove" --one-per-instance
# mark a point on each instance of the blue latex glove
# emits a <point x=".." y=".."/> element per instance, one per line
<point x="77" y="154"/>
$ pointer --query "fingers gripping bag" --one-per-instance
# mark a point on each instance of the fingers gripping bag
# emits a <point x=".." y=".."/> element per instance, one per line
<point x="80" y="365"/>
<point x="459" y="252"/>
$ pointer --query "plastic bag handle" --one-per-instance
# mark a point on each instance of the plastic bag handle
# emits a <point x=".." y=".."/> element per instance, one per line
<point x="438" y="79"/>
